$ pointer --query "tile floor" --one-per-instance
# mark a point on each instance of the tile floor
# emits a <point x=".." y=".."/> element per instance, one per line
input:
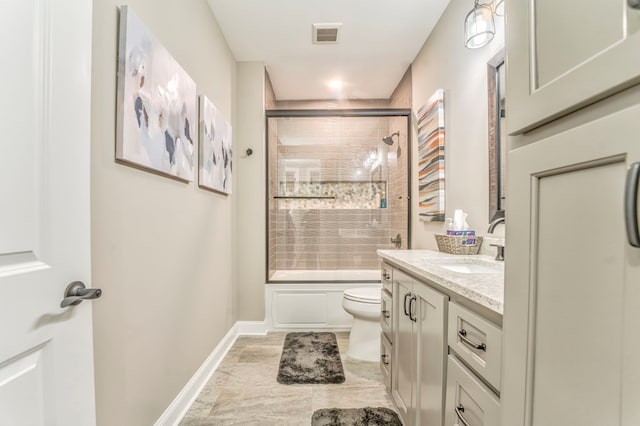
<point x="244" y="390"/>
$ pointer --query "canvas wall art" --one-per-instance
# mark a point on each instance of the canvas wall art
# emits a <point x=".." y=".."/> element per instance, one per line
<point x="431" y="172"/>
<point x="157" y="100"/>
<point x="216" y="162"/>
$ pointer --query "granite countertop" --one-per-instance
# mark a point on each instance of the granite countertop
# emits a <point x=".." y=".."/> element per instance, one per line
<point x="486" y="289"/>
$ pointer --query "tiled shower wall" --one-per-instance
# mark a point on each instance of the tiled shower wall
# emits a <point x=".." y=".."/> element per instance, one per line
<point x="343" y="157"/>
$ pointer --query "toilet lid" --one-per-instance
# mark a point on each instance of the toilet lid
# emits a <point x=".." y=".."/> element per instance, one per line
<point x="363" y="294"/>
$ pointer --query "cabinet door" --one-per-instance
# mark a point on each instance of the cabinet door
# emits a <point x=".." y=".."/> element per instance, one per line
<point x="403" y="370"/>
<point x="562" y="55"/>
<point x="468" y="399"/>
<point x="430" y="324"/>
<point x="572" y="293"/>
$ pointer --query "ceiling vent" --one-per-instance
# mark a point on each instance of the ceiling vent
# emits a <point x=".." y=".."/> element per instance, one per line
<point x="325" y="33"/>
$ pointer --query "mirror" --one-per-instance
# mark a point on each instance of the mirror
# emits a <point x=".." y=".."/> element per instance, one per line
<point x="497" y="136"/>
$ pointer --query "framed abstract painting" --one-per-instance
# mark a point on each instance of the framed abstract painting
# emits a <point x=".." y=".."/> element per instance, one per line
<point x="431" y="172"/>
<point x="216" y="165"/>
<point x="156" y="104"/>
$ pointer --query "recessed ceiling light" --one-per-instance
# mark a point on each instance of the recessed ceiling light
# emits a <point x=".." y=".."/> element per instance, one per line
<point x="336" y="84"/>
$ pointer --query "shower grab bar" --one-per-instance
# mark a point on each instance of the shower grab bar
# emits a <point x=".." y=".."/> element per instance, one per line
<point x="292" y="197"/>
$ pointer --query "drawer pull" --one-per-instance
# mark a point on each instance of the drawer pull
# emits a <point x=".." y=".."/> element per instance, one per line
<point x="386" y="275"/>
<point x="386" y="313"/>
<point x="463" y="336"/>
<point x="412" y="309"/>
<point x="407" y="295"/>
<point x="459" y="411"/>
<point x="384" y="358"/>
<point x="631" y="203"/>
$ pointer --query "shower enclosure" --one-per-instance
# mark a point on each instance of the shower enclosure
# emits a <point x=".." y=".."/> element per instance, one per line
<point x="337" y="190"/>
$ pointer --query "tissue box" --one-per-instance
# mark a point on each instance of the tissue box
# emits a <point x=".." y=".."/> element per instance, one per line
<point x="466" y="233"/>
<point x="466" y="238"/>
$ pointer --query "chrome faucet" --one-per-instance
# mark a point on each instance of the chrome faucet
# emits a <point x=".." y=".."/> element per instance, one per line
<point x="499" y="248"/>
<point x="495" y="223"/>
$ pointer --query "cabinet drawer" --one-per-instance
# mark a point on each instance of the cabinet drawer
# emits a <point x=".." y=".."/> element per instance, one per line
<point x="386" y="314"/>
<point x="469" y="398"/>
<point x="386" y="276"/>
<point x="476" y="341"/>
<point x="385" y="360"/>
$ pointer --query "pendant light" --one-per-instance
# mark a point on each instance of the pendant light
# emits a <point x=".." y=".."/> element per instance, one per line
<point x="498" y="7"/>
<point x="479" y="27"/>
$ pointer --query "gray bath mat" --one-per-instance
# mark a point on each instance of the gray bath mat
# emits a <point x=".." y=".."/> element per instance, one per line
<point x="355" y="417"/>
<point x="310" y="358"/>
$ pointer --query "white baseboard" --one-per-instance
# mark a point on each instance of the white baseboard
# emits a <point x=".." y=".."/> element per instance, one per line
<point x="251" y="328"/>
<point x="180" y="405"/>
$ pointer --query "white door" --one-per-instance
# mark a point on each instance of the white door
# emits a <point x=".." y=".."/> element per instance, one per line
<point x="46" y="352"/>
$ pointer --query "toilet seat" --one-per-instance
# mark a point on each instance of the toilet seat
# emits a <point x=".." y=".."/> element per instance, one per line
<point x="364" y="295"/>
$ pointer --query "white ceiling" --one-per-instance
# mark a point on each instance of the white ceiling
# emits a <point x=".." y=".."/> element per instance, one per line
<point x="378" y="41"/>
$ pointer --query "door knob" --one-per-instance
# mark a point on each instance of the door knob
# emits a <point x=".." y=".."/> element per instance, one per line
<point x="76" y="292"/>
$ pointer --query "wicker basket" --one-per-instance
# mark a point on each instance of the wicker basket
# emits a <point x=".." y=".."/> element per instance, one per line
<point x="453" y="244"/>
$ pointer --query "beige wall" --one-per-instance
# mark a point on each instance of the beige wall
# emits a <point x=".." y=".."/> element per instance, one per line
<point x="250" y="195"/>
<point x="444" y="62"/>
<point x="161" y="249"/>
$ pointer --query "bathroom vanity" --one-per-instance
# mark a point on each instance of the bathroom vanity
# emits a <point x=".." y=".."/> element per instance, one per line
<point x="441" y="340"/>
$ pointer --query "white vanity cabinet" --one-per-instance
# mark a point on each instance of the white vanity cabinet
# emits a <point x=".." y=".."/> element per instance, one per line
<point x="572" y="291"/>
<point x="419" y="351"/>
<point x="572" y="294"/>
<point x="432" y="309"/>
<point x="568" y="54"/>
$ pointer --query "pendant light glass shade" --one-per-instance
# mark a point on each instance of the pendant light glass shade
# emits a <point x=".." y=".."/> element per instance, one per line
<point x="498" y="7"/>
<point x="479" y="27"/>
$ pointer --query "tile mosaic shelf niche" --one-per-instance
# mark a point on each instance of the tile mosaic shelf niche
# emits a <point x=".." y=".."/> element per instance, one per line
<point x="332" y="195"/>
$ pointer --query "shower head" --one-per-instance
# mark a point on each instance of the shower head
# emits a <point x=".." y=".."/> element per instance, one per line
<point x="389" y="139"/>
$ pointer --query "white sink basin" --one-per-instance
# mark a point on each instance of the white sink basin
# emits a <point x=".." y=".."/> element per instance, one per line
<point x="469" y="266"/>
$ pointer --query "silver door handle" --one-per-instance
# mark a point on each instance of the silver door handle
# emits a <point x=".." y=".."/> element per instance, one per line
<point x="631" y="204"/>
<point x="462" y="334"/>
<point x="76" y="292"/>
<point x="459" y="411"/>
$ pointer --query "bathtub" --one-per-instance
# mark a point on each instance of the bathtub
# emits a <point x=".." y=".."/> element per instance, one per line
<point x="312" y="300"/>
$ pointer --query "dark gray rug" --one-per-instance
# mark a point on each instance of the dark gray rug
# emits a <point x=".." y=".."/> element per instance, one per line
<point x="355" y="417"/>
<point x="310" y="358"/>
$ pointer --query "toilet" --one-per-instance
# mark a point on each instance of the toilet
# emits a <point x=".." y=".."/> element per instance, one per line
<point x="364" y="305"/>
